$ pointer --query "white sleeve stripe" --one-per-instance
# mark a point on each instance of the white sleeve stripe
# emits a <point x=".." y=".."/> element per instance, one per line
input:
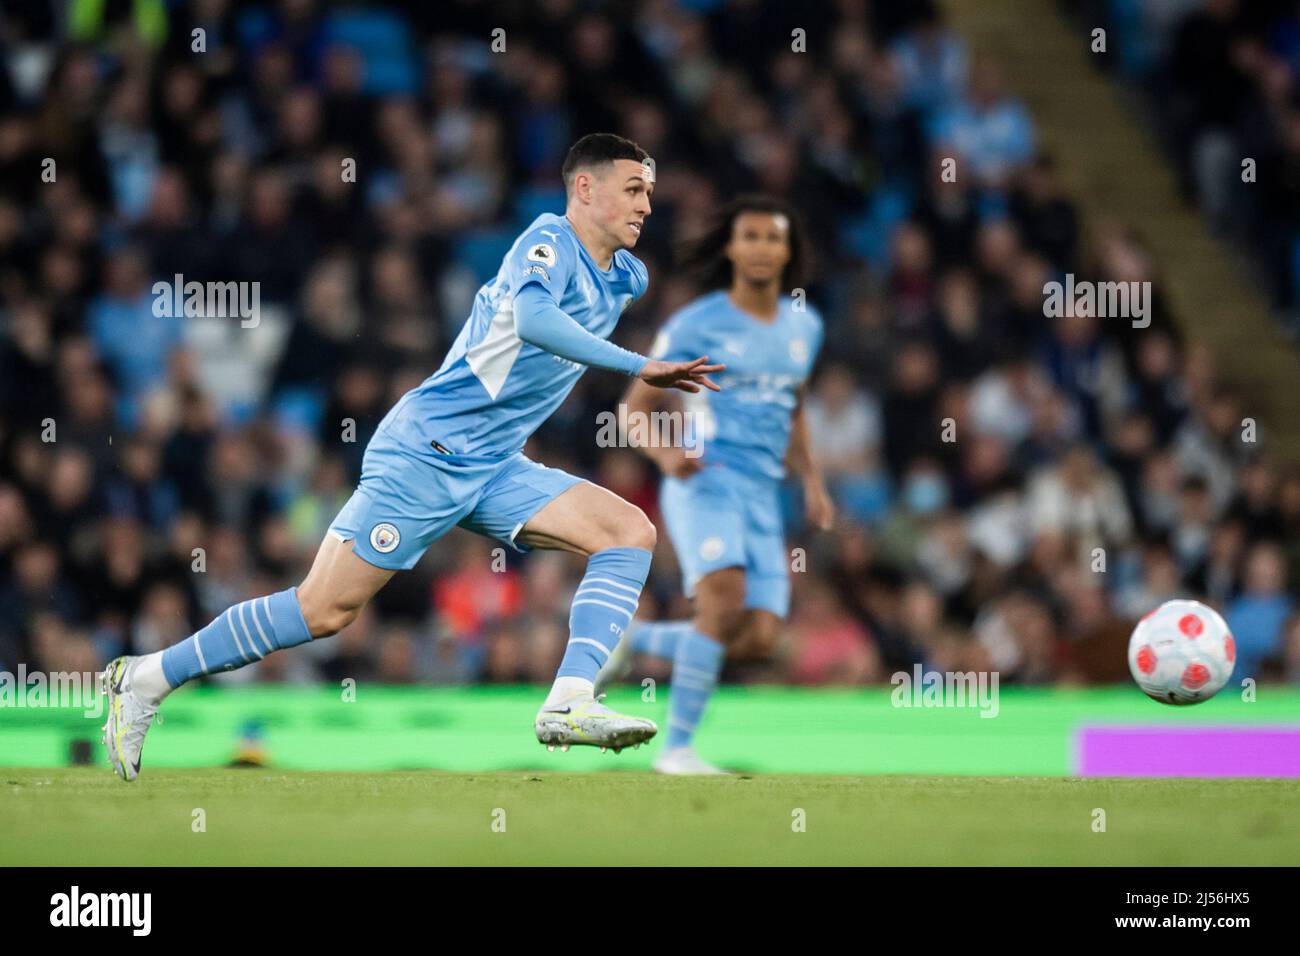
<point x="230" y="623"/>
<point x="256" y="620"/>
<point x="198" y="650"/>
<point x="243" y="622"/>
<point x="616" y="597"/>
<point x="613" y="607"/>
<point x="683" y="670"/>
<point x="587" y="640"/>
<point x="613" y="584"/>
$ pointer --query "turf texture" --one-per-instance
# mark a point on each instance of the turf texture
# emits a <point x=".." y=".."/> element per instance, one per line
<point x="85" y="816"/>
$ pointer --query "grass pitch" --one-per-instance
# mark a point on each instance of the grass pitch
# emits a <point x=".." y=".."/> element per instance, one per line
<point x="87" y="817"/>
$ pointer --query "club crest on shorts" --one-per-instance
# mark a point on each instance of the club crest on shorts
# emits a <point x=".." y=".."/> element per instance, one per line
<point x="385" y="537"/>
<point x="711" y="548"/>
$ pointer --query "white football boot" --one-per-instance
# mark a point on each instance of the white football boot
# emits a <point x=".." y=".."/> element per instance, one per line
<point x="129" y="717"/>
<point x="684" y="761"/>
<point x="585" y="720"/>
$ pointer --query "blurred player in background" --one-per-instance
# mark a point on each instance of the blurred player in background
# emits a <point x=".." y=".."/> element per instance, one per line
<point x="720" y="496"/>
<point x="450" y="453"/>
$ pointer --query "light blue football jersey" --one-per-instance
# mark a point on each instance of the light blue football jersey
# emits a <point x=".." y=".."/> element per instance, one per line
<point x="746" y="425"/>
<point x="493" y="389"/>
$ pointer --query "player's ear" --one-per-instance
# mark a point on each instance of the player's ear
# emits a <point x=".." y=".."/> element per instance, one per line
<point x="582" y="186"/>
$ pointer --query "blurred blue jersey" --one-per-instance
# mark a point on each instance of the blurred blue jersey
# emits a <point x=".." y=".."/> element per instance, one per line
<point x="746" y="426"/>
<point x="493" y="389"/>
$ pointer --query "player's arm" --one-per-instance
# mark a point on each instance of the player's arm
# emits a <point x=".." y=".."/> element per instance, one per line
<point x="643" y="400"/>
<point x="818" y="506"/>
<point x="541" y="322"/>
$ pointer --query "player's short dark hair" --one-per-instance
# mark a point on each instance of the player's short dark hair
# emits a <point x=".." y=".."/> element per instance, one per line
<point x="704" y="256"/>
<point x="596" y="149"/>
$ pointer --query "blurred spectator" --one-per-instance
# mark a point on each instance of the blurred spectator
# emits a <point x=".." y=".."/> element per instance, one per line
<point x="1256" y="618"/>
<point x="828" y="646"/>
<point x="990" y="131"/>
<point x="368" y="167"/>
<point x="845" y="427"/>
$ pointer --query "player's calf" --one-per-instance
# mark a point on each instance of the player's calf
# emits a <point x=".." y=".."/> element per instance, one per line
<point x="326" y="614"/>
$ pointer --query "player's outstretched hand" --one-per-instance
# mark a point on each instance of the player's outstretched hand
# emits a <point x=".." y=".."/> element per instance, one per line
<point x="818" y="505"/>
<point x="688" y="376"/>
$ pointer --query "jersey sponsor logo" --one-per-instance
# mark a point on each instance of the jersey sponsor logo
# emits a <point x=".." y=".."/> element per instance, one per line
<point x="711" y="548"/>
<point x="542" y="252"/>
<point x="385" y="537"/>
<point x="764" y="388"/>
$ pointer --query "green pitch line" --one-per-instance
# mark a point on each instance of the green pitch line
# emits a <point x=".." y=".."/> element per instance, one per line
<point x="87" y="817"/>
<point x="758" y="729"/>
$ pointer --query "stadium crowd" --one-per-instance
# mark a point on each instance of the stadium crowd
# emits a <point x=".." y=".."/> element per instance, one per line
<point x="1221" y="79"/>
<point x="1014" y="490"/>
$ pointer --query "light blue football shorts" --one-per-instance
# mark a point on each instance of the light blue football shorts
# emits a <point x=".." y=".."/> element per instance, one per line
<point x="721" y="518"/>
<point x="406" y="501"/>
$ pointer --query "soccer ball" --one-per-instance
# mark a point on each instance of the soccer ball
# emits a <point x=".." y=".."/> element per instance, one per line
<point x="1181" y="653"/>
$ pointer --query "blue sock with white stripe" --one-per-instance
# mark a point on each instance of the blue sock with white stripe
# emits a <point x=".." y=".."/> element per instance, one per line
<point x="602" y="607"/>
<point x="659" y="638"/>
<point x="695" y="676"/>
<point x="245" y="633"/>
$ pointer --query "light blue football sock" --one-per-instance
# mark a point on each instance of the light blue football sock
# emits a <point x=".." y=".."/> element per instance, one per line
<point x="602" y="607"/>
<point x="695" y="676"/>
<point x="659" y="638"/>
<point x="245" y="633"/>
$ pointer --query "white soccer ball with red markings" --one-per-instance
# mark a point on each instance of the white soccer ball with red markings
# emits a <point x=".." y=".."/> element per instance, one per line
<point x="1181" y="653"/>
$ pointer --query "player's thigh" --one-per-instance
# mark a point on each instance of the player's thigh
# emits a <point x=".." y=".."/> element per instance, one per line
<point x="584" y="519"/>
<point x="338" y="586"/>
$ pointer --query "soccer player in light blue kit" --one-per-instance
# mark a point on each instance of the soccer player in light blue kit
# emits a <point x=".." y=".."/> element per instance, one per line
<point x="720" y="494"/>
<point x="450" y="453"/>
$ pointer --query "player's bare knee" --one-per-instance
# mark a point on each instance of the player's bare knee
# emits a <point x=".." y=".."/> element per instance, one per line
<point x="760" y="633"/>
<point x="726" y="625"/>
<point x="720" y="607"/>
<point x="762" y="644"/>
<point x="641" y="531"/>
<point x="630" y="528"/>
